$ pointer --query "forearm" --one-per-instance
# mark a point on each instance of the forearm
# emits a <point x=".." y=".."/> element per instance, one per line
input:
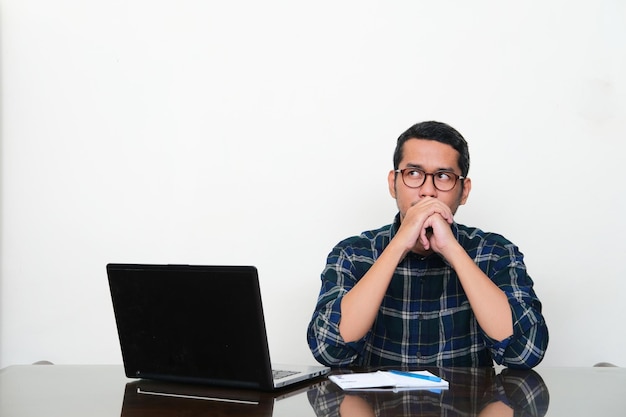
<point x="360" y="306"/>
<point x="489" y="303"/>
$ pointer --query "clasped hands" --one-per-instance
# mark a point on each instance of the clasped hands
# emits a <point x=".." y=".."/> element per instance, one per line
<point x="425" y="227"/>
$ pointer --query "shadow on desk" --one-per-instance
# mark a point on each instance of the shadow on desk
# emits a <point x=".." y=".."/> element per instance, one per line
<point x="473" y="392"/>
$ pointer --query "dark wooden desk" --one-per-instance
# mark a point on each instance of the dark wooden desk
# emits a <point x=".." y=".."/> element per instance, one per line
<point x="102" y="390"/>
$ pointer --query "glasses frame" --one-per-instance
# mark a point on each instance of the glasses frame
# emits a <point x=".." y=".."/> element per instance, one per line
<point x="456" y="177"/>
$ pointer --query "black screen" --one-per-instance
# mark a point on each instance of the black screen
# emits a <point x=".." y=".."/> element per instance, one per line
<point x="191" y="323"/>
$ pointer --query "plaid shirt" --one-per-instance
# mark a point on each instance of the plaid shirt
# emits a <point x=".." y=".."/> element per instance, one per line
<point x="425" y="318"/>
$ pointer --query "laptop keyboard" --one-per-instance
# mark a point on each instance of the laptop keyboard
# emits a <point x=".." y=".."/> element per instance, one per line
<point x="278" y="374"/>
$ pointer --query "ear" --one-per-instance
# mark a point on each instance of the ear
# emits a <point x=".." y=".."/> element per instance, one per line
<point x="467" y="187"/>
<point x="391" y="179"/>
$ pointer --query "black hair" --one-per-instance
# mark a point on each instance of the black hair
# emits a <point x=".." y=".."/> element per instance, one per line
<point x="439" y="132"/>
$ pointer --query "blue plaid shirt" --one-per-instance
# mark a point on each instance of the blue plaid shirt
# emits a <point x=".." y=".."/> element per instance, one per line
<point x="425" y="318"/>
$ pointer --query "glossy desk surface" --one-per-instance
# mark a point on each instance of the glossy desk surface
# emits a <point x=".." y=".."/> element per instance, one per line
<point x="103" y="390"/>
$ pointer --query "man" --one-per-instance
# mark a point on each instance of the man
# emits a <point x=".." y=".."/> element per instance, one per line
<point x="426" y="291"/>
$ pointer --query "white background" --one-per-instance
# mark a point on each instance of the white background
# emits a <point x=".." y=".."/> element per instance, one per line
<point x="261" y="132"/>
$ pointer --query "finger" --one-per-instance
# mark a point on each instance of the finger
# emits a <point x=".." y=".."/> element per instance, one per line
<point x="424" y="239"/>
<point x="431" y="206"/>
<point x="426" y="233"/>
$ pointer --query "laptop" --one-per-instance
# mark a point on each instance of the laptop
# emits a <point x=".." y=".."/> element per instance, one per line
<point x="196" y="324"/>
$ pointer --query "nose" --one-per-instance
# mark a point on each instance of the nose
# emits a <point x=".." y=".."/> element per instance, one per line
<point x="428" y="188"/>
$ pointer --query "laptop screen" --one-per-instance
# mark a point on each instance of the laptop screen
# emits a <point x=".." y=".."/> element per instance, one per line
<point x="191" y="323"/>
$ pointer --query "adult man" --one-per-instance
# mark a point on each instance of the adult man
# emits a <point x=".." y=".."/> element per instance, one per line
<point x="426" y="290"/>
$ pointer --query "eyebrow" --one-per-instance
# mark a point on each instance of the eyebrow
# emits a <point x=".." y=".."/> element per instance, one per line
<point x="410" y="165"/>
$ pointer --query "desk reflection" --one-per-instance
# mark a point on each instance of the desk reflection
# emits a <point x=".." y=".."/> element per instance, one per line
<point x="473" y="392"/>
<point x="162" y="399"/>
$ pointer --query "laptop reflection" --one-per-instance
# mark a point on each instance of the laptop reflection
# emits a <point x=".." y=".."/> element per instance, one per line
<point x="168" y="399"/>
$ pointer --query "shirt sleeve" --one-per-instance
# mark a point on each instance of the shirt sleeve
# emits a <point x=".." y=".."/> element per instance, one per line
<point x="325" y="342"/>
<point x="528" y="344"/>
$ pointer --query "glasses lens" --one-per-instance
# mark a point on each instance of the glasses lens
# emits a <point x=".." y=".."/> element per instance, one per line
<point x="413" y="177"/>
<point x="444" y="181"/>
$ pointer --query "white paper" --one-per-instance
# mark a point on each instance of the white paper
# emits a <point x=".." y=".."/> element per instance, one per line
<point x="386" y="380"/>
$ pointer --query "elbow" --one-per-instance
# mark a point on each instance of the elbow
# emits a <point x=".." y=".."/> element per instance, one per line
<point x="348" y="335"/>
<point x="531" y="350"/>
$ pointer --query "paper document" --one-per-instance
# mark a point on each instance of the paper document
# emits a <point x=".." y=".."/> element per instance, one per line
<point x="389" y="380"/>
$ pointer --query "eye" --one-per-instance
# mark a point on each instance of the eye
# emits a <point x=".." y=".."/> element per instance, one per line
<point x="444" y="176"/>
<point x="414" y="173"/>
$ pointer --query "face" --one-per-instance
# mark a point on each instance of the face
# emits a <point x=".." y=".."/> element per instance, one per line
<point x="431" y="156"/>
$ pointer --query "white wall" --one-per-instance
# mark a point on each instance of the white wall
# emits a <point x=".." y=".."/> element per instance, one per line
<point x="261" y="133"/>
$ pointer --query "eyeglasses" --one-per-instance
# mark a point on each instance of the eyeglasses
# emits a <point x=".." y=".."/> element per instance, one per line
<point x="442" y="180"/>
